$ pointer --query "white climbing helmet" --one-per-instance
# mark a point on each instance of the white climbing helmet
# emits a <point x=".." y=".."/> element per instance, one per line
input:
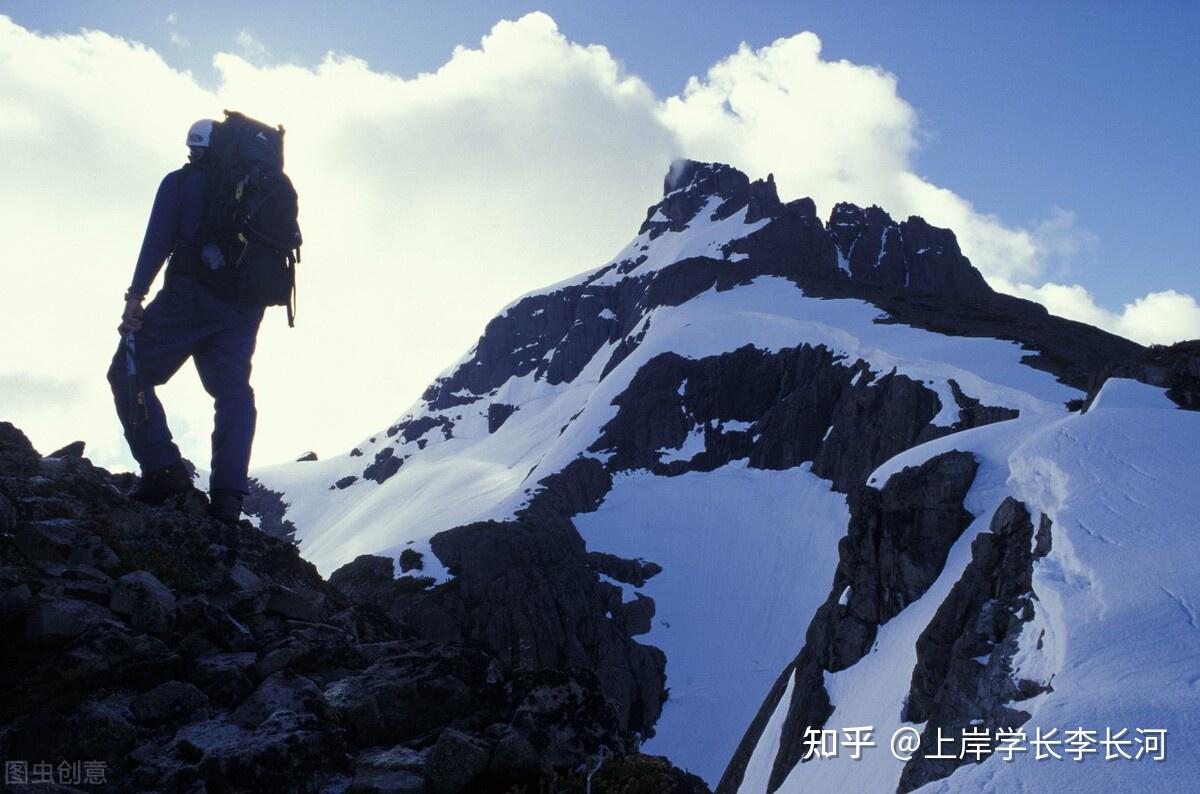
<point x="199" y="133"/>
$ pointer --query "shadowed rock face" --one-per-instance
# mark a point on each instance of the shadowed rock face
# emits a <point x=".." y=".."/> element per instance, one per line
<point x="178" y="650"/>
<point x="896" y="547"/>
<point x="1175" y="368"/>
<point x="777" y="410"/>
<point x="963" y="678"/>
<point x="911" y="255"/>
<point x="529" y="589"/>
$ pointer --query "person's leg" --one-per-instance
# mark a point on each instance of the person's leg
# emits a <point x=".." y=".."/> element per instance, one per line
<point x="162" y="345"/>
<point x="223" y="361"/>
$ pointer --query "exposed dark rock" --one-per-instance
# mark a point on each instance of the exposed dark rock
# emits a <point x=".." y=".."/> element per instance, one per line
<point x="644" y="774"/>
<point x="8" y="513"/>
<point x="72" y="450"/>
<point x="498" y="414"/>
<point x="634" y="572"/>
<point x="456" y="761"/>
<point x="578" y="488"/>
<point x="61" y="541"/>
<point x="964" y="677"/>
<point x="53" y="620"/>
<point x="167" y="702"/>
<point x="16" y="453"/>
<point x="368" y="579"/>
<point x="800" y="404"/>
<point x="526" y="588"/>
<point x="912" y="255"/>
<point x="227" y="662"/>
<point x="412" y="429"/>
<point x="973" y="413"/>
<point x="144" y="601"/>
<point x="344" y="482"/>
<point x="270" y="508"/>
<point x="307" y="457"/>
<point x="895" y="547"/>
<point x="285" y="690"/>
<point x="411" y="560"/>
<point x="565" y="719"/>
<point x="385" y="465"/>
<point x="1175" y="368"/>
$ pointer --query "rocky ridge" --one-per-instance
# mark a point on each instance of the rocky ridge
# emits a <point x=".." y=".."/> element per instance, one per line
<point x="184" y="655"/>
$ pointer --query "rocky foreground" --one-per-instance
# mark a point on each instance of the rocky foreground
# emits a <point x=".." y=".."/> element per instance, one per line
<point x="156" y="649"/>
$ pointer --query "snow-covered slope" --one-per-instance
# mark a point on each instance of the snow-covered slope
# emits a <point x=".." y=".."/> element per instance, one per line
<point x="1114" y="631"/>
<point x="711" y="401"/>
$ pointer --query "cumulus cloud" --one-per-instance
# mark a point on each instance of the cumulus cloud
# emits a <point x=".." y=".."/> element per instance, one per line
<point x="427" y="203"/>
<point x="1156" y="318"/>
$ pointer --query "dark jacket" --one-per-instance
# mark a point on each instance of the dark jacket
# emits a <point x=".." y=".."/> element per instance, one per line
<point x="174" y="221"/>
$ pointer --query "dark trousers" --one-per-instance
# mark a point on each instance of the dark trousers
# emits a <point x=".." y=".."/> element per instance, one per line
<point x="184" y="320"/>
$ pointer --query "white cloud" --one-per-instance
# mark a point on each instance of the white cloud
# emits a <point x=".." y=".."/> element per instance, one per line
<point x="1156" y="318"/>
<point x="427" y="203"/>
<point x="250" y="46"/>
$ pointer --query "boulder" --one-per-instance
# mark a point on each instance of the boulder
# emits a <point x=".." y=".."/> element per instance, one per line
<point x="456" y="761"/>
<point x="52" y="619"/>
<point x="167" y="702"/>
<point x="282" y="691"/>
<point x="368" y="579"/>
<point x="298" y="603"/>
<point x="72" y="450"/>
<point x="145" y="601"/>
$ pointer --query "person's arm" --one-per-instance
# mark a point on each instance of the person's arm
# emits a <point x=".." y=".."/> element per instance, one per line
<point x="156" y="247"/>
<point x="160" y="235"/>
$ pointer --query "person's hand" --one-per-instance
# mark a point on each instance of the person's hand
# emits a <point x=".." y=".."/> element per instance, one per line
<point x="131" y="319"/>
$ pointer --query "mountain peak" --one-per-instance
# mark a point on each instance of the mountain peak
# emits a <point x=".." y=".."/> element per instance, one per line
<point x="911" y="254"/>
<point x="710" y="177"/>
<point x="690" y="186"/>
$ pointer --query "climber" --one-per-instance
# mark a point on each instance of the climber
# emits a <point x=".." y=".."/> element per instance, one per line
<point x="185" y="319"/>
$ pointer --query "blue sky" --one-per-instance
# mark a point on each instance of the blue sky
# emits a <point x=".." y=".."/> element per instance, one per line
<point x="1023" y="106"/>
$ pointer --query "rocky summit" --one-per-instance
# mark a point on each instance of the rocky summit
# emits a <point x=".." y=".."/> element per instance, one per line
<point x="154" y="649"/>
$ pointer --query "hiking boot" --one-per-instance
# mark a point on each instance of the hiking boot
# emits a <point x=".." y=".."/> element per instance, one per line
<point x="161" y="484"/>
<point x="225" y="505"/>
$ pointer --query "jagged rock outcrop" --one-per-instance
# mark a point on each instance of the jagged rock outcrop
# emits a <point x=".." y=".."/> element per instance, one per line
<point x="910" y="255"/>
<point x="895" y="548"/>
<point x="778" y="410"/>
<point x="183" y="653"/>
<point x="270" y="509"/>
<point x="1175" y="368"/>
<point x="529" y="589"/>
<point x="964" y="677"/>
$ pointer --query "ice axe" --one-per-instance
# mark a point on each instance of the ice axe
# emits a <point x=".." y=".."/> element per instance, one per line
<point x="137" y="395"/>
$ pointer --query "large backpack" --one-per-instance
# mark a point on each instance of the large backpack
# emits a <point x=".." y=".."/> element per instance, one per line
<point x="248" y="244"/>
